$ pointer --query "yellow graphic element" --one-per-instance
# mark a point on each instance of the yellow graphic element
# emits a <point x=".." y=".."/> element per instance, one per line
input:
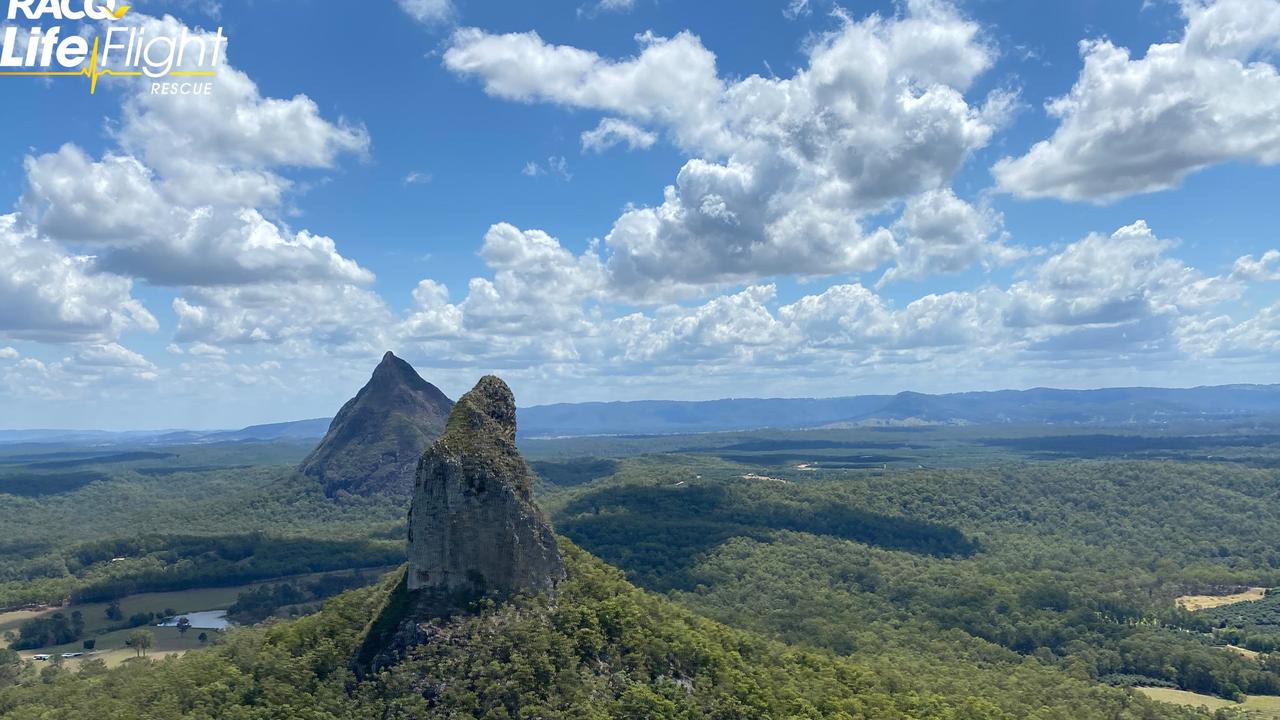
<point x="120" y="11"/>
<point x="93" y="72"/>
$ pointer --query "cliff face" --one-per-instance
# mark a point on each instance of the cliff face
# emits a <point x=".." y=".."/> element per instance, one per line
<point x="374" y="443"/>
<point x="473" y="527"/>
<point x="474" y="530"/>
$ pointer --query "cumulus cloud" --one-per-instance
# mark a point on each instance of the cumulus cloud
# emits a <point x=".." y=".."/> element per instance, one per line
<point x="1266" y="267"/>
<point x="1221" y="337"/>
<point x="784" y="170"/>
<point x="51" y="296"/>
<point x="1135" y="125"/>
<point x="612" y="132"/>
<point x="1121" y="278"/>
<point x="295" y="318"/>
<point x="140" y="229"/>
<point x="1104" y="296"/>
<point x="940" y="233"/>
<point x="186" y="198"/>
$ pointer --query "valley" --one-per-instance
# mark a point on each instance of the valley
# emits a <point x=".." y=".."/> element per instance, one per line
<point x="1034" y="570"/>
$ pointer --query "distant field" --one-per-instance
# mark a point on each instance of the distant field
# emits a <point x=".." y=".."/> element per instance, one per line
<point x="1266" y="707"/>
<point x="110" y="645"/>
<point x="1205" y="602"/>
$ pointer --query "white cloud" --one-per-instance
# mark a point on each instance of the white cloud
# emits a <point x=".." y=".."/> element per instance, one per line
<point x="612" y="131"/>
<point x="940" y="233"/>
<point x="797" y="8"/>
<point x="1264" y="268"/>
<point x="784" y="170"/>
<point x="113" y="355"/>
<point x="1140" y="125"/>
<point x="295" y="318"/>
<point x="616" y="5"/>
<point x="429" y="11"/>
<point x="116" y="208"/>
<point x="1121" y="278"/>
<point x="547" y="310"/>
<point x="50" y="296"/>
<point x="556" y="165"/>
<point x="417" y="178"/>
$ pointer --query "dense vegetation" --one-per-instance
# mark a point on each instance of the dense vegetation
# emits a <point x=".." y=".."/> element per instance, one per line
<point x="172" y="530"/>
<point x="1252" y="625"/>
<point x="1076" y="563"/>
<point x="601" y="650"/>
<point x="972" y="572"/>
<point x="56" y="629"/>
<point x="299" y="596"/>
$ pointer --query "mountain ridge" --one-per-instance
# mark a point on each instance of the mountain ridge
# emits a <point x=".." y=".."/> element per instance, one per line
<point x="723" y="415"/>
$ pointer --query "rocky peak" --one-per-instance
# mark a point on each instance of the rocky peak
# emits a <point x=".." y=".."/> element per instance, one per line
<point x="473" y="527"/>
<point x="374" y="442"/>
<point x="474" y="530"/>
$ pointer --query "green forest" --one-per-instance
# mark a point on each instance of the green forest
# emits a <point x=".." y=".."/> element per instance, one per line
<point x="765" y="576"/>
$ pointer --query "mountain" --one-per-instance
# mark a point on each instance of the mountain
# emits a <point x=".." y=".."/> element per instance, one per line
<point x="474" y="530"/>
<point x="375" y="440"/>
<point x="1038" y="406"/>
<point x="673" y="416"/>
<point x="1048" y="406"/>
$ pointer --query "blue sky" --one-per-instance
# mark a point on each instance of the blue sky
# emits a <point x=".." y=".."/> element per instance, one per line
<point x="865" y="197"/>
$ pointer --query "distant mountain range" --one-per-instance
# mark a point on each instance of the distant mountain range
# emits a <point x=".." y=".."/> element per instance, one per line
<point x="1111" y="406"/>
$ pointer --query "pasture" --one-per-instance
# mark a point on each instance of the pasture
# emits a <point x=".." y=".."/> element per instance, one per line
<point x="1206" y="602"/>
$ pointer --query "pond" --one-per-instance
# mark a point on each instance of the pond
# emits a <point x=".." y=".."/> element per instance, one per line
<point x="203" y="620"/>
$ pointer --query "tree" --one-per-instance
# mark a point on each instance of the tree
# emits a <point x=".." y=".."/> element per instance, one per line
<point x="184" y="624"/>
<point x="203" y="637"/>
<point x="114" y="612"/>
<point x="141" y="641"/>
<point x="10" y="667"/>
<point x="90" y="644"/>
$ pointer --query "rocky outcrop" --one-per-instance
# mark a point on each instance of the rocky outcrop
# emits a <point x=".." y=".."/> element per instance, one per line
<point x="473" y="527"/>
<point x="474" y="530"/>
<point x="374" y="443"/>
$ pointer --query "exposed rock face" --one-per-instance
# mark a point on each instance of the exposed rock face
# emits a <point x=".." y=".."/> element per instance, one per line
<point x="374" y="443"/>
<point x="473" y="527"/>
<point x="474" y="530"/>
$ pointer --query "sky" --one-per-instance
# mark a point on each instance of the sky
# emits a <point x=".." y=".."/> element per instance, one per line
<point x="643" y="199"/>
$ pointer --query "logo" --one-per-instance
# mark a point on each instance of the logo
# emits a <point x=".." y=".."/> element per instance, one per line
<point x="123" y="50"/>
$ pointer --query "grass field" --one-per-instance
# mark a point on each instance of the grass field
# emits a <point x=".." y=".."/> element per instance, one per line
<point x="112" y="650"/>
<point x="9" y="621"/>
<point x="1263" y="707"/>
<point x="111" y="645"/>
<point x="1204" y="602"/>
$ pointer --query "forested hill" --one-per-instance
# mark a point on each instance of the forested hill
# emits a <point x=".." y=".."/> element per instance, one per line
<point x="600" y="650"/>
<point x="1113" y="406"/>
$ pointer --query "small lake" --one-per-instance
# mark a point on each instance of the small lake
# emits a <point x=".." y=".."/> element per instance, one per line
<point x="203" y="620"/>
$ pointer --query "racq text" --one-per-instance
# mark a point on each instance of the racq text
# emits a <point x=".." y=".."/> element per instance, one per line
<point x="181" y="88"/>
